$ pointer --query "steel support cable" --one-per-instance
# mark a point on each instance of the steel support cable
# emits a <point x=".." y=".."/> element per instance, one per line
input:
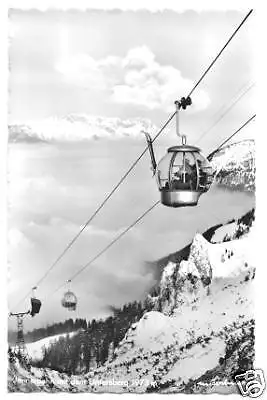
<point x="230" y="137"/>
<point x="115" y="240"/>
<point x="133" y="165"/>
<point x="226" y="111"/>
<point x="220" y="52"/>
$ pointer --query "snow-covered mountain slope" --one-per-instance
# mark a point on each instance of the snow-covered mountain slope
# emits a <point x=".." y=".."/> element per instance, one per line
<point x="36" y="349"/>
<point x="201" y="322"/>
<point x="78" y="127"/>
<point x="198" y="334"/>
<point x="234" y="165"/>
<point x="22" y="377"/>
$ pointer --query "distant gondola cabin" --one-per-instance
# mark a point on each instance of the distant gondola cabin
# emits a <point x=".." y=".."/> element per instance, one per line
<point x="69" y="301"/>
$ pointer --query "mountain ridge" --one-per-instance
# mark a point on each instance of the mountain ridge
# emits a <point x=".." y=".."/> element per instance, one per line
<point x="78" y="127"/>
<point x="190" y="311"/>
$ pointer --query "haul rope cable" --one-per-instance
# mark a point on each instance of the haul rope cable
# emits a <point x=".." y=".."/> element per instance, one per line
<point x="230" y="137"/>
<point x="218" y="55"/>
<point x="225" y="112"/>
<point x="134" y="164"/>
<point x="227" y="140"/>
<point x="116" y="239"/>
<point x="219" y="147"/>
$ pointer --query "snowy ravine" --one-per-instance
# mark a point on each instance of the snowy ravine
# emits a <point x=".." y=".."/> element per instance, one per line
<point x="198" y="335"/>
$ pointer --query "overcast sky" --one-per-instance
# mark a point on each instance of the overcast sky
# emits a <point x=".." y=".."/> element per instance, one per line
<point x="84" y="84"/>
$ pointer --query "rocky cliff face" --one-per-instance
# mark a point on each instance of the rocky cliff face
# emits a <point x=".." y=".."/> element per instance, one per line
<point x="199" y="333"/>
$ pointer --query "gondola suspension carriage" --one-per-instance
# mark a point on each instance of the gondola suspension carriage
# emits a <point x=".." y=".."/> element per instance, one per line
<point x="69" y="300"/>
<point x="35" y="303"/>
<point x="183" y="174"/>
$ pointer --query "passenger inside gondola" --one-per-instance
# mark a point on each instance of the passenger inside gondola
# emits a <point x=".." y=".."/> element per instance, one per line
<point x="167" y="186"/>
<point x="182" y="179"/>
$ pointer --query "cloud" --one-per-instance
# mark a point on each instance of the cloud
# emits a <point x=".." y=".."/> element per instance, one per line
<point x="137" y="79"/>
<point x="138" y="57"/>
<point x="156" y="87"/>
<point x="22" y="133"/>
<point x="86" y="71"/>
<point x="54" y="222"/>
<point x="16" y="238"/>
